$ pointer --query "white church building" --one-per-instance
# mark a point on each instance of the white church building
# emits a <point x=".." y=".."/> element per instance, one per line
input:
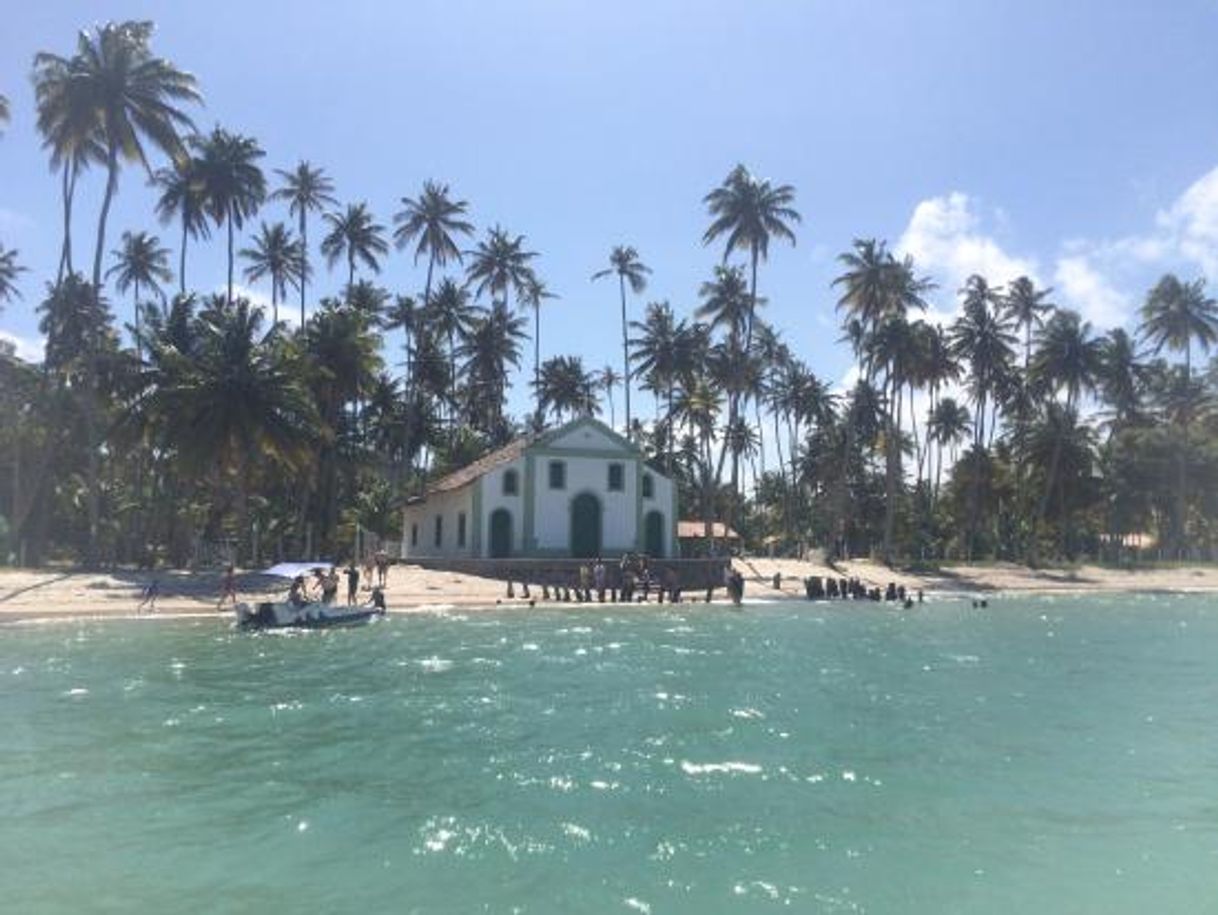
<point x="580" y="490"/>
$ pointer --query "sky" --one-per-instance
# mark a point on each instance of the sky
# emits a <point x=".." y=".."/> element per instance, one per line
<point x="1073" y="142"/>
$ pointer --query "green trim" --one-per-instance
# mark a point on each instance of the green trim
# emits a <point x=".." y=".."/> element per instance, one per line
<point x="663" y="550"/>
<point x="675" y="546"/>
<point x="638" y="507"/>
<point x="551" y="464"/>
<point x="527" y="541"/>
<point x="511" y="552"/>
<point x="600" y="522"/>
<point x="475" y="511"/>
<point x="606" y="453"/>
<point x="548" y="438"/>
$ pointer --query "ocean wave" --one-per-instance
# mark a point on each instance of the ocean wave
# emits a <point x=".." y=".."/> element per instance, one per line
<point x="744" y="768"/>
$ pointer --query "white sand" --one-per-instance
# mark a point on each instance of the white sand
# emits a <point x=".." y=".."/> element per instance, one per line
<point x="62" y="593"/>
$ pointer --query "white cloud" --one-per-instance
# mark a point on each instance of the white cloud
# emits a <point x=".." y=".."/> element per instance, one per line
<point x="1188" y="228"/>
<point x="1079" y="285"/>
<point x="946" y="239"/>
<point x="1104" y="279"/>
<point x="289" y="312"/>
<point x="29" y="349"/>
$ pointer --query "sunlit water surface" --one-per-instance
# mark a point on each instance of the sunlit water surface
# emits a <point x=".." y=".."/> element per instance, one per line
<point x="1039" y="756"/>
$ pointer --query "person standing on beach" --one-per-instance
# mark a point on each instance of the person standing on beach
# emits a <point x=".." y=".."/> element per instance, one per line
<point x="598" y="579"/>
<point x="382" y="568"/>
<point x="329" y="587"/>
<point x="228" y="588"/>
<point x="352" y="574"/>
<point x="151" y="591"/>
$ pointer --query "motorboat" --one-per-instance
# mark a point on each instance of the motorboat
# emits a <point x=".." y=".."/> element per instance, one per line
<point x="301" y="614"/>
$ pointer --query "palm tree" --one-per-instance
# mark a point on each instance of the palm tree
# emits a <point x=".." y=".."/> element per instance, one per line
<point x="608" y="380"/>
<point x="624" y="262"/>
<point x="1025" y="306"/>
<point x="236" y="404"/>
<point x="405" y="314"/>
<point x="431" y="221"/>
<point x="726" y="302"/>
<point x="982" y="339"/>
<point x="750" y="212"/>
<point x="141" y="261"/>
<point x="182" y="197"/>
<point x="9" y="270"/>
<point x="1122" y="376"/>
<point x="306" y="189"/>
<point x="357" y="236"/>
<point x="451" y="316"/>
<point x="949" y="424"/>
<point x="865" y="290"/>
<point x="878" y="291"/>
<point x="69" y="123"/>
<point x="233" y="186"/>
<point x="532" y="296"/>
<point x="1174" y="316"/>
<point x="134" y="97"/>
<point x="276" y="254"/>
<point x="498" y="265"/>
<point x="4" y="110"/>
<point x="492" y="345"/>
<point x="565" y="387"/>
<point x="1068" y="358"/>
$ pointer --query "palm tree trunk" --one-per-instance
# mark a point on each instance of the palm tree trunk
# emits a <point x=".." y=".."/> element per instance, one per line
<point x="182" y="257"/>
<point x="350" y="272"/>
<point x="669" y="438"/>
<point x="1050" y="482"/>
<point x="537" y="360"/>
<point x="304" y="272"/>
<point x="230" y="260"/>
<point x="1020" y="470"/>
<point x="139" y="343"/>
<point x="69" y="191"/>
<point x="748" y="336"/>
<point x="1182" y="464"/>
<point x="274" y="301"/>
<point x="621" y="281"/>
<point x="92" y="470"/>
<point x="890" y="474"/>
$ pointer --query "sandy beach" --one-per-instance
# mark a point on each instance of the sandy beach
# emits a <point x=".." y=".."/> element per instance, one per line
<point x="27" y="594"/>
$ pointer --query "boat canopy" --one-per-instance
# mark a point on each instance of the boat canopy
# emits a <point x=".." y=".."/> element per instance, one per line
<point x="292" y="569"/>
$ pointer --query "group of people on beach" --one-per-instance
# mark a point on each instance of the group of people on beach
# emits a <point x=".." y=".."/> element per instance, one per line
<point x="324" y="584"/>
<point x="632" y="581"/>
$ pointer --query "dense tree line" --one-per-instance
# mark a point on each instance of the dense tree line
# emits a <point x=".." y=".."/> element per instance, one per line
<point x="1017" y="431"/>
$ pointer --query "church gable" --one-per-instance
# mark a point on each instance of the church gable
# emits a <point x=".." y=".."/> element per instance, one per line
<point x="587" y="435"/>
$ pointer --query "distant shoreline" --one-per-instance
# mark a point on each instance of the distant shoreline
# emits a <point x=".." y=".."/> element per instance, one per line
<point x="31" y="595"/>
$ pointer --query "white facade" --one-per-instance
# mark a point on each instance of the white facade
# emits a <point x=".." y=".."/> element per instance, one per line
<point x="419" y="534"/>
<point x="600" y="498"/>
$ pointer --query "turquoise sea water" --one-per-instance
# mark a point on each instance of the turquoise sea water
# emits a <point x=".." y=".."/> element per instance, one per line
<point x="1040" y="756"/>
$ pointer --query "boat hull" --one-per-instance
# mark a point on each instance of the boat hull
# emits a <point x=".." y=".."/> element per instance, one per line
<point x="277" y="615"/>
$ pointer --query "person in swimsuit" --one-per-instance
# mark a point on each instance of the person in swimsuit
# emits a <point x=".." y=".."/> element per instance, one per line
<point x="228" y="588"/>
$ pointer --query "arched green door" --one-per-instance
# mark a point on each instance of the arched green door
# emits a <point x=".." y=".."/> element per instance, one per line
<point x="501" y="533"/>
<point x="653" y="534"/>
<point x="585" y="526"/>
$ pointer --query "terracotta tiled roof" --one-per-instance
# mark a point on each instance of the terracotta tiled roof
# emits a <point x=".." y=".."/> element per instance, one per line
<point x="484" y="464"/>
<point x="689" y="530"/>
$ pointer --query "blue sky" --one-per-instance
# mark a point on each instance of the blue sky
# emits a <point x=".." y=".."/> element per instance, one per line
<point x="1077" y="142"/>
